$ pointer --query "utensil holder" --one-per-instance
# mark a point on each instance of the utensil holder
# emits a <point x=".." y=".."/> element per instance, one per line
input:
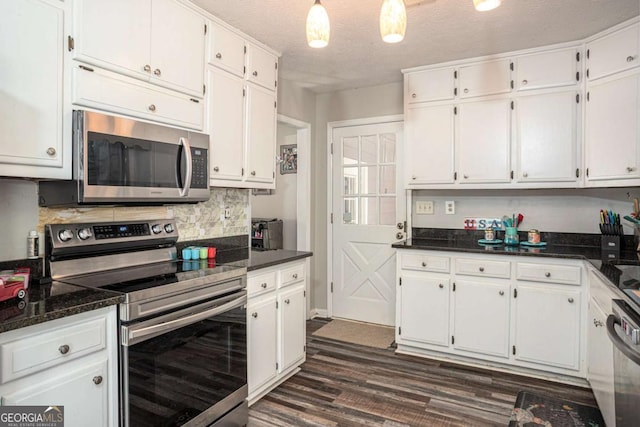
<point x="511" y="236"/>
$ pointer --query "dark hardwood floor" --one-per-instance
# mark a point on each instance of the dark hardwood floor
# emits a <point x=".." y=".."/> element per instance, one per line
<point x="344" y="384"/>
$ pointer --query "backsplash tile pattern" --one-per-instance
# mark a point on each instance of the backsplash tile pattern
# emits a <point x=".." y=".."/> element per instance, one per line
<point x="195" y="221"/>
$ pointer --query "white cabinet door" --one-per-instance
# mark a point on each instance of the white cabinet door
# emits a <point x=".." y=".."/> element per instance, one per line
<point x="614" y="52"/>
<point x="547" y="329"/>
<point x="226" y="125"/>
<point x="546" y="137"/>
<point x="547" y="69"/>
<point x="83" y="390"/>
<point x="226" y="49"/>
<point x="262" y="67"/>
<point x="481" y="317"/>
<point x="424" y="309"/>
<point x="261" y="342"/>
<point x="430" y="85"/>
<point x="32" y="81"/>
<point x="612" y="134"/>
<point x="177" y="47"/>
<point x="260" y="134"/>
<point x="429" y="145"/>
<point x="115" y="35"/>
<point x="484" y="78"/>
<point x="600" y="362"/>
<point x="483" y="143"/>
<point x="292" y="306"/>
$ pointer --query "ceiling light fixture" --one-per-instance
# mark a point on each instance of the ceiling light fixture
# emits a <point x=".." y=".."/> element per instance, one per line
<point x="484" y="5"/>
<point x="393" y="21"/>
<point x="318" y="28"/>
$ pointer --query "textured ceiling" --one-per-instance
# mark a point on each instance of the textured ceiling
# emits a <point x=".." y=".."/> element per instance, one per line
<point x="437" y="31"/>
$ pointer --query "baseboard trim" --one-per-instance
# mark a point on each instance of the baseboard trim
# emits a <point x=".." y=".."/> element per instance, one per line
<point x="319" y="312"/>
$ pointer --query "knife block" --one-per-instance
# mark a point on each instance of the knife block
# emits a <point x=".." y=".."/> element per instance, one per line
<point x="610" y="246"/>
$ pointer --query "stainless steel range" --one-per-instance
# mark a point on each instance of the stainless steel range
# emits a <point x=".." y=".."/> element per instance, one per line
<point x="183" y="358"/>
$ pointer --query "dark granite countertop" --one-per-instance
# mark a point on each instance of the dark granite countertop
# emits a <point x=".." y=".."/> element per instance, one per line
<point x="50" y="301"/>
<point x="262" y="259"/>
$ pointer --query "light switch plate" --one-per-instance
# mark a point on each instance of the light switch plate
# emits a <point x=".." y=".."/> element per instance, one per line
<point x="450" y="207"/>
<point x="424" y="207"/>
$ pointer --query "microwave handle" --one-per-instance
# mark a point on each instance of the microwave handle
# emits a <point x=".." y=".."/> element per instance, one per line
<point x="187" y="181"/>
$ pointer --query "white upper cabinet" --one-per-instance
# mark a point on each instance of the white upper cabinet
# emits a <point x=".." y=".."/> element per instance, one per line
<point x="483" y="142"/>
<point x="547" y="137"/>
<point x="484" y="78"/>
<point x="430" y="144"/>
<point x="614" y="52"/>
<point x="547" y="69"/>
<point x="262" y="67"/>
<point x="260" y="134"/>
<point x="430" y="85"/>
<point x="160" y="41"/>
<point x="35" y="140"/>
<point x="226" y="49"/>
<point x="612" y="133"/>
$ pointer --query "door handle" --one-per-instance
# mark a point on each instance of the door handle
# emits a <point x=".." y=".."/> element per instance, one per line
<point x="189" y="172"/>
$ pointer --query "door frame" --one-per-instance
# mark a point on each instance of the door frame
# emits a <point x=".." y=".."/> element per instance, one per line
<point x="330" y="127"/>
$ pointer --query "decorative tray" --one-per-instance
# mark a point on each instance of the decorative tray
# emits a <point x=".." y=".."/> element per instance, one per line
<point x="533" y="245"/>
<point x="489" y="242"/>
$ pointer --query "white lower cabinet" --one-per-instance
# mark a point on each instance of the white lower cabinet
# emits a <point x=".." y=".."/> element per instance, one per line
<point x="70" y="362"/>
<point x="276" y="326"/>
<point x="494" y="310"/>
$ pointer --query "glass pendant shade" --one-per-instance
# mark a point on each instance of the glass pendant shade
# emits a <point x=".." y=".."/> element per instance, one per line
<point x="318" y="26"/>
<point x="393" y="21"/>
<point x="484" y="5"/>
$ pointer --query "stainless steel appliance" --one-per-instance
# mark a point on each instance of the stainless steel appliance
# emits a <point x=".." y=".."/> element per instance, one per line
<point x="623" y="327"/>
<point x="183" y="331"/>
<point x="266" y="233"/>
<point x="124" y="161"/>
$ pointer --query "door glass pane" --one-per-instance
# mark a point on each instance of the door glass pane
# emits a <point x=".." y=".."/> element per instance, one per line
<point x="350" y="210"/>
<point x="387" y="210"/>
<point x="387" y="180"/>
<point x="388" y="148"/>
<point x="369" y="153"/>
<point x="350" y="151"/>
<point x="350" y="180"/>
<point x="369" y="210"/>
<point x="368" y="179"/>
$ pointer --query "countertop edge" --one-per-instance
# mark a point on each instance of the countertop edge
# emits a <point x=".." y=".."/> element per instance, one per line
<point x="283" y="260"/>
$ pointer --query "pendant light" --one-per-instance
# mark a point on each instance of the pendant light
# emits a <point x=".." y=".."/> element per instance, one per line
<point x="393" y="21"/>
<point x="318" y="26"/>
<point x="484" y="5"/>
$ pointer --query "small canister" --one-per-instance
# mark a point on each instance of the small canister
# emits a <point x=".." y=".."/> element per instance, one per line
<point x="534" y="236"/>
<point x="489" y="234"/>
<point x="195" y="252"/>
<point x="203" y="252"/>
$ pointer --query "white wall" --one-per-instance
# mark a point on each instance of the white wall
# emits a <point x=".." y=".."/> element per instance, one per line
<point x="282" y="203"/>
<point x="19" y="214"/>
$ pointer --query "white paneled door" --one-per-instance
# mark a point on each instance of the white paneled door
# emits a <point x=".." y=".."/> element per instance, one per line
<point x="368" y="206"/>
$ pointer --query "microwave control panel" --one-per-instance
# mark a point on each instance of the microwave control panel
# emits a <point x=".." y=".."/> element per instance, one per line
<point x="199" y="178"/>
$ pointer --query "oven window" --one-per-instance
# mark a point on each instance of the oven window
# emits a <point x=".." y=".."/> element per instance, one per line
<point x="174" y="377"/>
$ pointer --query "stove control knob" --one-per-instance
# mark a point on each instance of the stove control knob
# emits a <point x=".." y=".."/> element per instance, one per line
<point x="168" y="228"/>
<point x="156" y="228"/>
<point x="85" y="233"/>
<point x="65" y="235"/>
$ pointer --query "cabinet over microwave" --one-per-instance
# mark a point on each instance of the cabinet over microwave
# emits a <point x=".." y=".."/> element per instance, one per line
<point x="128" y="162"/>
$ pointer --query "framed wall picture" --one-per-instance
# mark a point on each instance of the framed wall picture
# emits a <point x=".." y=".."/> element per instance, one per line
<point x="288" y="159"/>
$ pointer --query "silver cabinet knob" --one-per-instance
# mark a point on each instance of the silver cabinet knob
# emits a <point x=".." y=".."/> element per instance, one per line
<point x="501" y="293"/>
<point x="441" y="286"/>
<point x="547" y="274"/>
<point x="570" y="300"/>
<point x="524" y="82"/>
<point x="97" y="379"/>
<point x="216" y="169"/>
<point x="400" y="225"/>
<point x="466" y="90"/>
<point x="253" y="173"/>
<point x="413" y="177"/>
<point x="63" y="349"/>
<point x="295" y="275"/>
<point x="147" y="68"/>
<point x="157" y="72"/>
<point x="524" y="174"/>
<point x="399" y="235"/>
<point x="218" y="55"/>
<point x="51" y="151"/>
<point x="413" y="95"/>
<point x="630" y="169"/>
<point x="465" y="176"/>
<point x="254" y="315"/>
<point x="263" y="285"/>
<point x="424" y="264"/>
<point x="630" y="58"/>
<point x="152" y="107"/>
<point x="481" y="269"/>
<point x="287" y="301"/>
<point x="255" y="74"/>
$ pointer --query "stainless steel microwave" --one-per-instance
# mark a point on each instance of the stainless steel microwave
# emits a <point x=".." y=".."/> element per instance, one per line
<point x="125" y="161"/>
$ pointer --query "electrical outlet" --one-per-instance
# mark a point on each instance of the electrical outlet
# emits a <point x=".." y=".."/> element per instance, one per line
<point x="424" y="207"/>
<point x="227" y="213"/>
<point x="450" y="207"/>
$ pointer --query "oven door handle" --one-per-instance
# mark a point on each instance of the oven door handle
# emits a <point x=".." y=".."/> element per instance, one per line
<point x="619" y="342"/>
<point x="131" y="336"/>
<point x="184" y="142"/>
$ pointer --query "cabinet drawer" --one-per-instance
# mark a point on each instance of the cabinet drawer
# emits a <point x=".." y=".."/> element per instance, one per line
<point x="436" y="264"/>
<point x="292" y="274"/>
<point x="262" y="283"/>
<point x="483" y="268"/>
<point x="40" y="351"/>
<point x="564" y="274"/>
